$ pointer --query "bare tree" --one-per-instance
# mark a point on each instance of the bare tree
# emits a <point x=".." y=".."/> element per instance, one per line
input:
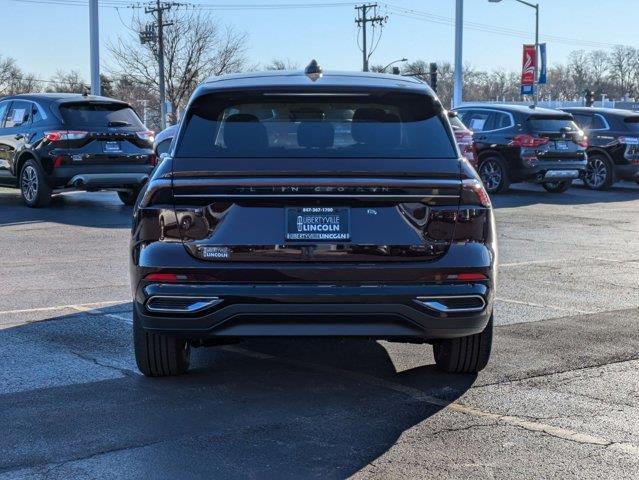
<point x="623" y="62"/>
<point x="67" y="82"/>
<point x="195" y="47"/>
<point x="13" y="80"/>
<point x="280" y="64"/>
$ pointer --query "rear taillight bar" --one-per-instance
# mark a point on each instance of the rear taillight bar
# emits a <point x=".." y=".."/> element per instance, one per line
<point x="61" y="135"/>
<point x="474" y="193"/>
<point x="528" y="141"/>
<point x="147" y="135"/>
<point x="582" y="142"/>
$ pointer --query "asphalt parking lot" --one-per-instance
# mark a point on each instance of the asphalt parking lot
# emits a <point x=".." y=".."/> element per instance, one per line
<point x="560" y="398"/>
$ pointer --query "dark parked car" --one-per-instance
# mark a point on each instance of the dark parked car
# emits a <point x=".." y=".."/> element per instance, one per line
<point x="517" y="143"/>
<point x="613" y="150"/>
<point x="53" y="142"/>
<point x="163" y="140"/>
<point x="464" y="137"/>
<point x="308" y="205"/>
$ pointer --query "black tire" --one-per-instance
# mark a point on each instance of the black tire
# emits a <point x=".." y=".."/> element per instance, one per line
<point x="159" y="355"/>
<point x="557" y="187"/>
<point x="34" y="189"/>
<point x="466" y="354"/>
<point x="129" y="197"/>
<point x="494" y="174"/>
<point x="599" y="173"/>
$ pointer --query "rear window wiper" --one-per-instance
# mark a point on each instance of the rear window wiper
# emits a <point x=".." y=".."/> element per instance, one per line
<point x="119" y="123"/>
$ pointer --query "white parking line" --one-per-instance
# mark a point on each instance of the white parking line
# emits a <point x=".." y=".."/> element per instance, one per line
<point x="526" y="424"/>
<point x="64" y="307"/>
<point x="532" y="304"/>
<point x="93" y="311"/>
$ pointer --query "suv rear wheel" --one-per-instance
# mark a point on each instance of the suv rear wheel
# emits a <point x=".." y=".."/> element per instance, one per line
<point x="465" y="354"/>
<point x="159" y="355"/>
<point x="33" y="185"/>
<point x="129" y="197"/>
<point x="557" y="187"/>
<point x="494" y="174"/>
<point x="599" y="174"/>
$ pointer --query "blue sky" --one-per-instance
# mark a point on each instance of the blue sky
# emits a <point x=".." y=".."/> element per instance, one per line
<point x="45" y="37"/>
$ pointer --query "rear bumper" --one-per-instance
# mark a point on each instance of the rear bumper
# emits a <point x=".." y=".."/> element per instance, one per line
<point x="545" y="171"/>
<point x="98" y="177"/>
<point x="377" y="311"/>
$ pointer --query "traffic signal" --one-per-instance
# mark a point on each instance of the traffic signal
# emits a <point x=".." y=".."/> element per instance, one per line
<point x="433" y="76"/>
<point x="590" y="97"/>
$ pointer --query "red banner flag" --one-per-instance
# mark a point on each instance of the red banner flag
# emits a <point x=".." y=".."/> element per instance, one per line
<point x="528" y="65"/>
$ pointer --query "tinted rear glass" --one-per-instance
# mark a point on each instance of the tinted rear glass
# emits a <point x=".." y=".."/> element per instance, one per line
<point x="552" y="124"/>
<point x="632" y="123"/>
<point x="87" y="114"/>
<point x="398" y="125"/>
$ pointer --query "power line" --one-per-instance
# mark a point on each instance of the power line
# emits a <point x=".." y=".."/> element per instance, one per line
<point x="486" y="28"/>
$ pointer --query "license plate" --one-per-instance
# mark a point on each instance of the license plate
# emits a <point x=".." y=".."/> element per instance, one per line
<point x="561" y="145"/>
<point x="112" y="147"/>
<point x="318" y="224"/>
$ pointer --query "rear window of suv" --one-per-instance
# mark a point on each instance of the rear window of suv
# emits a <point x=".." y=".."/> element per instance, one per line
<point x="88" y="114"/>
<point x="632" y="122"/>
<point x="393" y="125"/>
<point x="552" y="124"/>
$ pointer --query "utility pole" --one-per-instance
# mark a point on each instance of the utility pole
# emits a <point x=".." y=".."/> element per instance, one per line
<point x="94" y="46"/>
<point x="459" y="29"/>
<point x="362" y="20"/>
<point x="151" y="34"/>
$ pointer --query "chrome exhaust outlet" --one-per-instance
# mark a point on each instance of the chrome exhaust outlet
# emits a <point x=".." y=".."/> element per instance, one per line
<point x="180" y="304"/>
<point x="453" y="303"/>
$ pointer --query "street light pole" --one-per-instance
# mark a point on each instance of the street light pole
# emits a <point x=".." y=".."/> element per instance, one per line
<point x="94" y="46"/>
<point x="459" y="27"/>
<point x="394" y="61"/>
<point x="536" y="88"/>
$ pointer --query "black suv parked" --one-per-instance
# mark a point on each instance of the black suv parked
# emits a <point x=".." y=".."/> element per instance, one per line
<point x="613" y="151"/>
<point x="53" y="142"/>
<point x="309" y="205"/>
<point x="522" y="144"/>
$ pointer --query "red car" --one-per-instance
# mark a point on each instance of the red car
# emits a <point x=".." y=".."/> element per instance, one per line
<point x="464" y="137"/>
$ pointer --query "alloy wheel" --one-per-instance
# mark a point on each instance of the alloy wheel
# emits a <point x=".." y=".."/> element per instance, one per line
<point x="491" y="174"/>
<point x="596" y="173"/>
<point x="29" y="183"/>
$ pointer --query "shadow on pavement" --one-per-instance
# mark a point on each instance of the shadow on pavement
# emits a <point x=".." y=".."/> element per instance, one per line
<point x="96" y="209"/>
<point x="523" y="194"/>
<point x="233" y="416"/>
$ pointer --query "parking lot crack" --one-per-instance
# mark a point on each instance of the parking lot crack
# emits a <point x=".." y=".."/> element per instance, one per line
<point x="124" y="371"/>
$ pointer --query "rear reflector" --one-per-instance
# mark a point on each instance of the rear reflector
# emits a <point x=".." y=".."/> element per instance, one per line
<point x="166" y="277"/>
<point x="57" y="161"/>
<point x="467" y="277"/>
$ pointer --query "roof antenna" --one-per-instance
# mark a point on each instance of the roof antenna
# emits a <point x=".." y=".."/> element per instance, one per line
<point x="313" y="70"/>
